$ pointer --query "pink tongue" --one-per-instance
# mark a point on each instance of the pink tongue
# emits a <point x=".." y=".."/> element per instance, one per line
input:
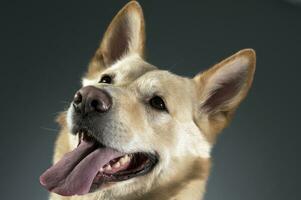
<point x="74" y="173"/>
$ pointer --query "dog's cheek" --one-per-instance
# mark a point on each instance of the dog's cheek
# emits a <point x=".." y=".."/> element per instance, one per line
<point x="163" y="131"/>
<point x="192" y="137"/>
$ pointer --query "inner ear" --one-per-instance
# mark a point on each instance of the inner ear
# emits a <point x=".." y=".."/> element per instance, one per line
<point x="223" y="86"/>
<point x="125" y="35"/>
<point x="224" y="92"/>
<point x="118" y="42"/>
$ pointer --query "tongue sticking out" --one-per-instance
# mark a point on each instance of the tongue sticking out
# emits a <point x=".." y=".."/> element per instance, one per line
<point x="74" y="173"/>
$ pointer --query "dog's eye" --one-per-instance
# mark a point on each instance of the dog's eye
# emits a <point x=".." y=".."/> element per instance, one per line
<point x="106" y="79"/>
<point x="157" y="103"/>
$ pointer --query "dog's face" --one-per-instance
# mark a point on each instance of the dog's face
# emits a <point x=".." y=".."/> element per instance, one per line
<point x="158" y="125"/>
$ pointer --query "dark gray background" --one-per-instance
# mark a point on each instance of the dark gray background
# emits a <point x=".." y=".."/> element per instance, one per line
<point x="46" y="45"/>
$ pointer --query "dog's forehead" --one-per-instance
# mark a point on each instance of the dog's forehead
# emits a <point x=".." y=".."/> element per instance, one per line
<point x="129" y="69"/>
<point x="161" y="79"/>
<point x="148" y="79"/>
<point x="172" y="87"/>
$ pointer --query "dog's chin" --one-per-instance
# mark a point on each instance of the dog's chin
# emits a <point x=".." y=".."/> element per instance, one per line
<point x="122" y="167"/>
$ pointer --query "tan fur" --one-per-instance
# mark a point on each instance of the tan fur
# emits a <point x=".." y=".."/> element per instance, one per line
<point x="183" y="137"/>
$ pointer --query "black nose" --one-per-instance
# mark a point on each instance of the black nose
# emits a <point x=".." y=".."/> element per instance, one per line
<point x="91" y="99"/>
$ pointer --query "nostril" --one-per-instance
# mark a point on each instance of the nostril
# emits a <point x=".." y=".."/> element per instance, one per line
<point x="77" y="98"/>
<point x="99" y="105"/>
<point x="94" y="104"/>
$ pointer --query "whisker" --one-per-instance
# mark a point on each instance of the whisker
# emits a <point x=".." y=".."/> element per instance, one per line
<point x="49" y="129"/>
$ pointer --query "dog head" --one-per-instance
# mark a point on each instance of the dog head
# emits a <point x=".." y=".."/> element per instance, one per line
<point x="153" y="127"/>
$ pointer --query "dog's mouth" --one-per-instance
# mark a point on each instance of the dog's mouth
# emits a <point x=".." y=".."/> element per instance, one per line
<point x="92" y="165"/>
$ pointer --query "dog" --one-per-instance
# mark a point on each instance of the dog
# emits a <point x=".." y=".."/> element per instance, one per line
<point x="134" y="131"/>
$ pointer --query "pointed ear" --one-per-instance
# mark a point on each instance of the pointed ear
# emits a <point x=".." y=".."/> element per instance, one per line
<point x="225" y="85"/>
<point x="124" y="36"/>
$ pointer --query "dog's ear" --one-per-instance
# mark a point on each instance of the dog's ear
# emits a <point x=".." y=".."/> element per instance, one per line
<point x="124" y="36"/>
<point x="222" y="87"/>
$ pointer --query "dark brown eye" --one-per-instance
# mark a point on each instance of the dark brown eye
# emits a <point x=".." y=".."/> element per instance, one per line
<point x="157" y="103"/>
<point x="106" y="79"/>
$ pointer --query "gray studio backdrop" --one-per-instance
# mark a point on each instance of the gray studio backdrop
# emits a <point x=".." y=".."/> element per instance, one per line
<point x="46" y="45"/>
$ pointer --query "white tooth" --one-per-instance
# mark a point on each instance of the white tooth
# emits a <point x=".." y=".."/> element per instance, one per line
<point x="108" y="168"/>
<point x="116" y="165"/>
<point x="123" y="160"/>
<point x="101" y="169"/>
